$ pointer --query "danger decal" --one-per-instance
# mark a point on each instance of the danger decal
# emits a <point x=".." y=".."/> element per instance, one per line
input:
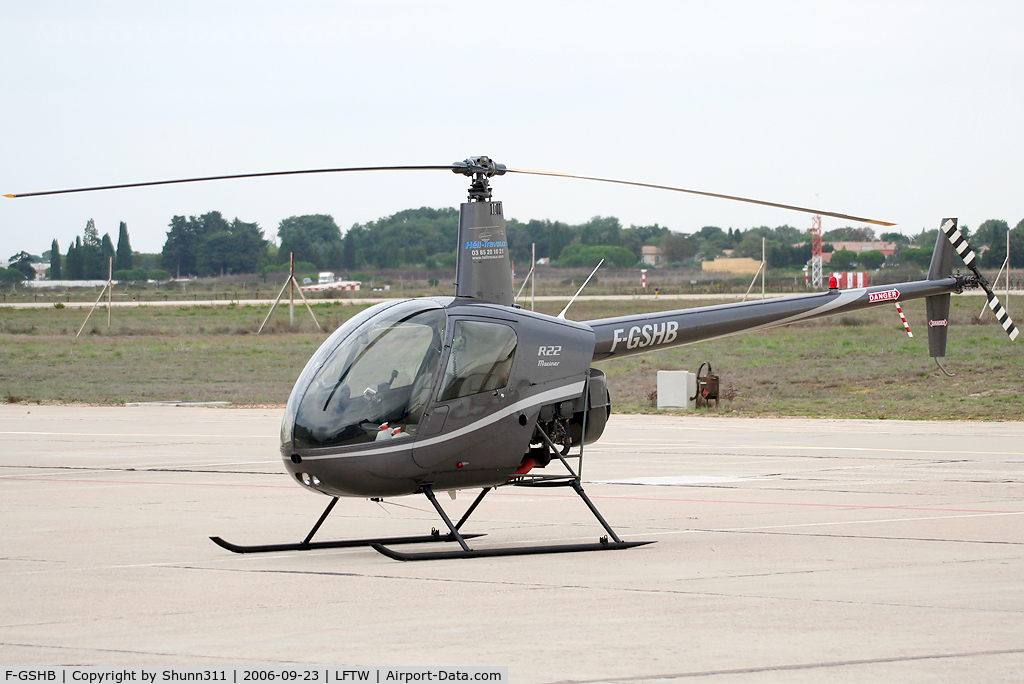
<point x="886" y="296"/>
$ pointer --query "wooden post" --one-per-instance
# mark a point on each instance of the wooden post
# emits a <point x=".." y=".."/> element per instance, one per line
<point x="533" y="280"/>
<point x="94" y="304"/>
<point x="291" y="283"/>
<point x="110" y="285"/>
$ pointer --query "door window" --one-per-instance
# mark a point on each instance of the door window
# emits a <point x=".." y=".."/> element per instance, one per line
<point x="480" y="360"/>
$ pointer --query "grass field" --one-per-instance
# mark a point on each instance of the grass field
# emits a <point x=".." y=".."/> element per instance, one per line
<point x="858" y="365"/>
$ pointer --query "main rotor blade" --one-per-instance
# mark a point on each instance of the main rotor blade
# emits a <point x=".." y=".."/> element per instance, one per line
<point x="706" y="194"/>
<point x="449" y="167"/>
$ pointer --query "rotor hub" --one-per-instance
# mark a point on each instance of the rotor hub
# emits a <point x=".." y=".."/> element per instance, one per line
<point x="480" y="169"/>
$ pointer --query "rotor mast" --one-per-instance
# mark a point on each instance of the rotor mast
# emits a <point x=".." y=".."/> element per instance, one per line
<point x="484" y="271"/>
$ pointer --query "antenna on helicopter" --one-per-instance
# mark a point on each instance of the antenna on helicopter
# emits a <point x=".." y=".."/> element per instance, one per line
<point x="562" y="314"/>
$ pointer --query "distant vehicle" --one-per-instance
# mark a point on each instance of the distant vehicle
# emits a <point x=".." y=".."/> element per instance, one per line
<point x="308" y="281"/>
<point x="325" y="277"/>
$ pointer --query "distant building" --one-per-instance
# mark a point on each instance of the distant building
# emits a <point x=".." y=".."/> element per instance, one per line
<point x="652" y="256"/>
<point x="886" y="248"/>
<point x="737" y="265"/>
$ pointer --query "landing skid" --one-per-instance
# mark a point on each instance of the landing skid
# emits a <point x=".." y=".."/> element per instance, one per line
<point x="602" y="545"/>
<point x="308" y="545"/>
<point x="610" y="542"/>
<point x="435" y="536"/>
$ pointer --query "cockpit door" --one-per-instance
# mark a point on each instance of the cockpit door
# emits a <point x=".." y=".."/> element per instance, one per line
<point x="468" y="420"/>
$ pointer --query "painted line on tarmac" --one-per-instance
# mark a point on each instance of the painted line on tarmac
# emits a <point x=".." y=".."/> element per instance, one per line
<point x="842" y="522"/>
<point x="640" y="444"/>
<point x="759" y="503"/>
<point x="141" y="482"/>
<point x="132" y="434"/>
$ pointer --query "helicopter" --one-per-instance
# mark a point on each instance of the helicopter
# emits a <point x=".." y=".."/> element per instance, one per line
<point x="440" y="394"/>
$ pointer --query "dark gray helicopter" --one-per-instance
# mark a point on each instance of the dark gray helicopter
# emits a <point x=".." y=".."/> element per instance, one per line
<point x="472" y="391"/>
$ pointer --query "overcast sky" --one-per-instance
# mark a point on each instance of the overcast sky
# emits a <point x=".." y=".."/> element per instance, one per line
<point x="901" y="111"/>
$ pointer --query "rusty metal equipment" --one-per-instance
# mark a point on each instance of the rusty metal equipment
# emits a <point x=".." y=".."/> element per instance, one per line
<point x="707" y="386"/>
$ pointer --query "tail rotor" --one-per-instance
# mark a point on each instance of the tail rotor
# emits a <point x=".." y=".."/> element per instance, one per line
<point x="963" y="248"/>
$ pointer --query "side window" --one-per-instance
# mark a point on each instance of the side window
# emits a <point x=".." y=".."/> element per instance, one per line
<point x="480" y="360"/>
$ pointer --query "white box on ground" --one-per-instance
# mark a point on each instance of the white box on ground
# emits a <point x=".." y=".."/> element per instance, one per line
<point x="675" y="389"/>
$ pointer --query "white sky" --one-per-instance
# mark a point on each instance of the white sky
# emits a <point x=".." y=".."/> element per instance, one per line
<point x="902" y="111"/>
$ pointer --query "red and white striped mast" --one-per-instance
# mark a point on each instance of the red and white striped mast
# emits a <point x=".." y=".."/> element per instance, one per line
<point x="816" y="260"/>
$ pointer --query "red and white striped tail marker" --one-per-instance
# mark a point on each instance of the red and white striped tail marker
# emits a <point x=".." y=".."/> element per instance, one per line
<point x="906" y="326"/>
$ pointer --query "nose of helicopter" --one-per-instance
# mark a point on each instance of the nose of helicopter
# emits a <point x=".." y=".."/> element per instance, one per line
<point x="372" y="473"/>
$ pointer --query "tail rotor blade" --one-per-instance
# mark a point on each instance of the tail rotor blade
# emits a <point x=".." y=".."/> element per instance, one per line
<point x="963" y="248"/>
<point x="1000" y="312"/>
<point x="959" y="243"/>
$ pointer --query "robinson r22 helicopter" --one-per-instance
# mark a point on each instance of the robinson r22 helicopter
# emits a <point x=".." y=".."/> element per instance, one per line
<point x="472" y="391"/>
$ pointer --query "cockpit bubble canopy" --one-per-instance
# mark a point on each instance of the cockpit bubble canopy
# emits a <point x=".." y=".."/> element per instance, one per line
<point x="370" y="372"/>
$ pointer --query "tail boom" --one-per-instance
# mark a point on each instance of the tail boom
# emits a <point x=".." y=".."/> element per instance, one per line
<point x="628" y="335"/>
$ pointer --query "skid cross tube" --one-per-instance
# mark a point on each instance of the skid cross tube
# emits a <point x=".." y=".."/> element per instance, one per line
<point x="429" y="492"/>
<point x="469" y="511"/>
<point x="603" y="544"/>
<point x="327" y="512"/>
<point x="308" y="545"/>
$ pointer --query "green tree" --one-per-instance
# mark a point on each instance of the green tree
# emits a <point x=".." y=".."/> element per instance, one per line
<point x="22" y="262"/>
<point x="315" y="238"/>
<point x="409" y="237"/>
<point x="601" y="230"/>
<point x="926" y="238"/>
<point x="635" y="237"/>
<point x="74" y="260"/>
<point x="1017" y="245"/>
<point x="898" y="238"/>
<point x="849" y="234"/>
<point x="185" y="242"/>
<point x="123" y="257"/>
<point x="55" y="265"/>
<point x="90" y="253"/>
<point x="181" y="247"/>
<point x="750" y="245"/>
<point x="872" y="259"/>
<point x="549" y="237"/>
<point x="712" y="241"/>
<point x="237" y="249"/>
<point x="916" y="256"/>
<point x="349" y="252"/>
<point x="991" y="234"/>
<point x="589" y="256"/>
<point x="677" y="247"/>
<point x="209" y="245"/>
<point x="106" y="255"/>
<point x="11" y="275"/>
<point x="843" y="259"/>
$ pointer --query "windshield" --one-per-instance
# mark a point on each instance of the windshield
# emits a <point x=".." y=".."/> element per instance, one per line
<point x="376" y="381"/>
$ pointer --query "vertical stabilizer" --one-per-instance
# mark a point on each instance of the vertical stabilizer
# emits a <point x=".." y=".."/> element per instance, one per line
<point x="938" y="305"/>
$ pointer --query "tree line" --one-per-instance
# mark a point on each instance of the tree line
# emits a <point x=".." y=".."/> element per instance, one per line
<point x="210" y="245"/>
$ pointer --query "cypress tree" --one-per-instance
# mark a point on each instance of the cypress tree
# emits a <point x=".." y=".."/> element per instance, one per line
<point x="89" y="252"/>
<point x="123" y="260"/>
<point x="106" y="255"/>
<point x="55" y="270"/>
<point x="75" y="265"/>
